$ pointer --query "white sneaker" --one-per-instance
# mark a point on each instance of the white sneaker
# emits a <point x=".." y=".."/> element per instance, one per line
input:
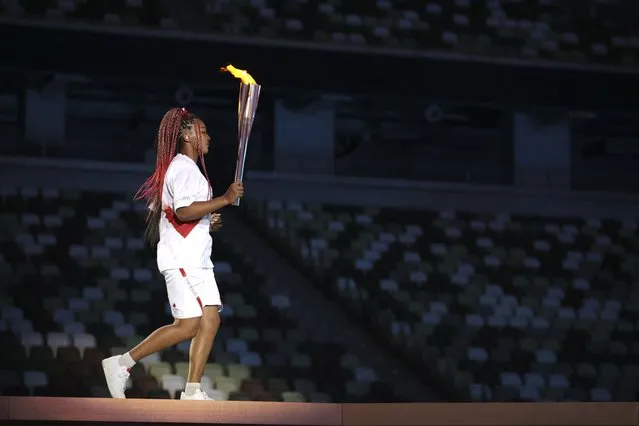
<point x="199" y="395"/>
<point x="116" y="376"/>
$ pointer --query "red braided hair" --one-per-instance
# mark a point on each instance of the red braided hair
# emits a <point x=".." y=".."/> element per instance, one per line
<point x="174" y="121"/>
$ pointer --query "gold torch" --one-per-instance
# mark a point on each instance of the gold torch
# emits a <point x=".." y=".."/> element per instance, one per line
<point x="247" y="105"/>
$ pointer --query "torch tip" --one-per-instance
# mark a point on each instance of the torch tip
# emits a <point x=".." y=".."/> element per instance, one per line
<point x="241" y="74"/>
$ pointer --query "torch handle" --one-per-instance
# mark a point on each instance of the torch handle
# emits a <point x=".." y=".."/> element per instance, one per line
<point x="247" y="105"/>
<point x="239" y="166"/>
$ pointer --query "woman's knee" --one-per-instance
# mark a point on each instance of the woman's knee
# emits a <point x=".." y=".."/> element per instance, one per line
<point x="210" y="320"/>
<point x="188" y="327"/>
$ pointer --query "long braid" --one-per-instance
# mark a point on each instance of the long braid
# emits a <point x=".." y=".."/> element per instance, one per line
<point x="171" y="125"/>
<point x="151" y="190"/>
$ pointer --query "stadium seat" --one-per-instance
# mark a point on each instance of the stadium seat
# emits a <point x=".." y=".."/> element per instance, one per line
<point x="226" y="384"/>
<point x="173" y="383"/>
<point x="547" y="31"/>
<point x="504" y="307"/>
<point x="108" y="302"/>
<point x="293" y="397"/>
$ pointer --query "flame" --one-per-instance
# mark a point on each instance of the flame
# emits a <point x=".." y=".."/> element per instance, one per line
<point x="241" y="74"/>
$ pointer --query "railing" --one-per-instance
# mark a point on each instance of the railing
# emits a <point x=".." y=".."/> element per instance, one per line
<point x="93" y="175"/>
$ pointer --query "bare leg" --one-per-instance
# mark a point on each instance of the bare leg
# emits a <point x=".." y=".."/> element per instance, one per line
<point x="164" y="337"/>
<point x="203" y="342"/>
<point x="116" y="368"/>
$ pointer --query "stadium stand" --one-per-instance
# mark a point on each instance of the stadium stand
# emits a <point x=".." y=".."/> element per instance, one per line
<point x="532" y="29"/>
<point x="81" y="284"/>
<point x="136" y="13"/>
<point x="570" y="31"/>
<point x="504" y="307"/>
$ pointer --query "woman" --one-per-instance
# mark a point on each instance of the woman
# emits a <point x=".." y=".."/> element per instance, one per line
<point x="181" y="214"/>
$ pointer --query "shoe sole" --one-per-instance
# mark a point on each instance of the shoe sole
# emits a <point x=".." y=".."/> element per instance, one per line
<point x="182" y="398"/>
<point x="107" y="374"/>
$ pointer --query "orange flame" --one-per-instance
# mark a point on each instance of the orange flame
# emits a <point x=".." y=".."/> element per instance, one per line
<point x="241" y="74"/>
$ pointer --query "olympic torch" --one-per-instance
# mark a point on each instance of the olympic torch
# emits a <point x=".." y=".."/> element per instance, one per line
<point x="247" y="105"/>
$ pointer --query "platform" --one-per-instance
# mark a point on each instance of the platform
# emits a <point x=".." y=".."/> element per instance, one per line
<point x="39" y="410"/>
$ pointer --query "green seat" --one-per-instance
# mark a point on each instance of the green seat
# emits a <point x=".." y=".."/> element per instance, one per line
<point x="239" y="371"/>
<point x="213" y="371"/>
<point x="159" y="369"/>
<point x="349" y="361"/>
<point x="246" y="311"/>
<point x="227" y="384"/>
<point x="291" y="396"/>
<point x="248" y="334"/>
<point x="300" y="360"/>
<point x="357" y="389"/>
<point x="182" y="369"/>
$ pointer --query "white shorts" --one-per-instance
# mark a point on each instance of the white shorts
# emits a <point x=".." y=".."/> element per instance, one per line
<point x="190" y="290"/>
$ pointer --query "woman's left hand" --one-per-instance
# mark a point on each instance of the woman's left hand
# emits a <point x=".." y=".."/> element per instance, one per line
<point x="216" y="222"/>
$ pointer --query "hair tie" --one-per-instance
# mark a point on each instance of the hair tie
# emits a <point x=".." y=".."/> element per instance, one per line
<point x="183" y="112"/>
